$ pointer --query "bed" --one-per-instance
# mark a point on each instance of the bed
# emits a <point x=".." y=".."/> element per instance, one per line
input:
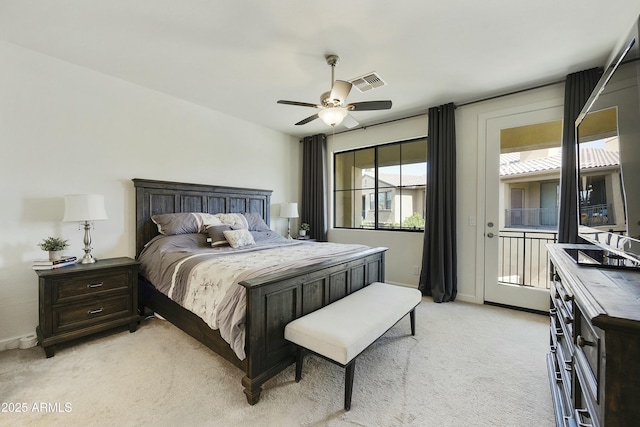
<point x="272" y="300"/>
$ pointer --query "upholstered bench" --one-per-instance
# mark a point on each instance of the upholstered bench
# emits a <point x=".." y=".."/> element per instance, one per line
<point x="342" y="330"/>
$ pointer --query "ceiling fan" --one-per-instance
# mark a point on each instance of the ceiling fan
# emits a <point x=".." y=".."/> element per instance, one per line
<point x="333" y="107"/>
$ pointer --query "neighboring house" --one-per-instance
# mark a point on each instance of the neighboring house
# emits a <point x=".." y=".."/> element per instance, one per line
<point x="399" y="197"/>
<point x="530" y="187"/>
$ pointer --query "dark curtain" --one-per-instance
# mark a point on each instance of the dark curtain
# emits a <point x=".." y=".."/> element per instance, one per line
<point x="438" y="276"/>
<point x="314" y="200"/>
<point x="578" y="88"/>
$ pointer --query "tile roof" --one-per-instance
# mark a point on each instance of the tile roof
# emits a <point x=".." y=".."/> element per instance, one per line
<point x="510" y="164"/>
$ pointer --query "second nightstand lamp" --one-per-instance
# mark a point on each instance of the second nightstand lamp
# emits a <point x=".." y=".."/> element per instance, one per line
<point x="85" y="208"/>
<point x="289" y="210"/>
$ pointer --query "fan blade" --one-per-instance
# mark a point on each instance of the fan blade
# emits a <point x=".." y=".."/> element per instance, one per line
<point x="369" y="106"/>
<point x="349" y="122"/>
<point x="299" y="104"/>
<point x="307" y="120"/>
<point x="340" y="91"/>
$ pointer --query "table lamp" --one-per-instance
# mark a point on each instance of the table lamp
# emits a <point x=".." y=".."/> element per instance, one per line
<point x="289" y="210"/>
<point x="85" y="208"/>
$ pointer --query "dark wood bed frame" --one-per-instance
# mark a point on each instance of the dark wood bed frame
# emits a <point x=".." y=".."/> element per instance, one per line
<point x="272" y="300"/>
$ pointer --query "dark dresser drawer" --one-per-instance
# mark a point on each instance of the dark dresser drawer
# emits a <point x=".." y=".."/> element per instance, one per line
<point x="563" y="303"/>
<point x="585" y="412"/>
<point x="588" y="355"/>
<point x="83" y="285"/>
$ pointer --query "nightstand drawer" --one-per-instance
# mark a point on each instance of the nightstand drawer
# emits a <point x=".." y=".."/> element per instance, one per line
<point x="82" y="315"/>
<point x="81" y="285"/>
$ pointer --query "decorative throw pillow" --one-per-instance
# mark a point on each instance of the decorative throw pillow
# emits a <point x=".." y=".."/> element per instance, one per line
<point x="216" y="234"/>
<point x="239" y="238"/>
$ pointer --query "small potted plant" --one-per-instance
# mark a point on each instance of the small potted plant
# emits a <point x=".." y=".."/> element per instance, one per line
<point x="304" y="227"/>
<point x="55" y="246"/>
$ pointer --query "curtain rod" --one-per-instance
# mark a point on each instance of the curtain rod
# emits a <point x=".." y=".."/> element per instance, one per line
<point x="464" y="104"/>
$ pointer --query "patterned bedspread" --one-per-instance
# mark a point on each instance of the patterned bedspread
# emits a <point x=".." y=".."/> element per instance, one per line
<point x="205" y="280"/>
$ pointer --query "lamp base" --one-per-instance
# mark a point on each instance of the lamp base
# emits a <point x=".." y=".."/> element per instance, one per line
<point x="87" y="259"/>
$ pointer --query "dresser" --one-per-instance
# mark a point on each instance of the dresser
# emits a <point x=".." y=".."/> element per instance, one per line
<point x="594" y="357"/>
<point x="84" y="299"/>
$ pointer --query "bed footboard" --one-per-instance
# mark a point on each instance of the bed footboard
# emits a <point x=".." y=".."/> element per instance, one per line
<point x="275" y="300"/>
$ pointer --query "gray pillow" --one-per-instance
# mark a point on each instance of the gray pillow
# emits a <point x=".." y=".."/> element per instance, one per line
<point x="256" y="223"/>
<point x="184" y="223"/>
<point x="170" y="224"/>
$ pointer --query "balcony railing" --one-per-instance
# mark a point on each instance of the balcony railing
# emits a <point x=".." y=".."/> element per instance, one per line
<point x="595" y="215"/>
<point x="523" y="257"/>
<point x="591" y="216"/>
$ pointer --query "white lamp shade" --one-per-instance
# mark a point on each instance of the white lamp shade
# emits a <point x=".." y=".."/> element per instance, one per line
<point x="289" y="210"/>
<point x="84" y="207"/>
<point x="333" y="116"/>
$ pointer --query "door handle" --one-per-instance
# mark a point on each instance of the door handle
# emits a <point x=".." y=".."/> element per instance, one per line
<point x="490" y="235"/>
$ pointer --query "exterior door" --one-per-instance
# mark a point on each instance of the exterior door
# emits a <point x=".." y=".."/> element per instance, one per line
<point x="507" y="250"/>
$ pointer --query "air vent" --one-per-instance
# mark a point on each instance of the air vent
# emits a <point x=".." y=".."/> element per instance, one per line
<point x="368" y="82"/>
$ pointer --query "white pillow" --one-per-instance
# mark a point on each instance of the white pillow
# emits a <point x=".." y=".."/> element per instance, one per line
<point x="235" y="220"/>
<point x="238" y="238"/>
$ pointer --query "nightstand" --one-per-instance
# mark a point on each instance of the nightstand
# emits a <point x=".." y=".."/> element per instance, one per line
<point x="83" y="299"/>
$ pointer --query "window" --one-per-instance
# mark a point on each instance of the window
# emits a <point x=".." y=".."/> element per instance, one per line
<point x="384" y="200"/>
<point x="391" y="178"/>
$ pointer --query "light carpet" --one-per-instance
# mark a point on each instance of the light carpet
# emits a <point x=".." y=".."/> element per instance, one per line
<point x="468" y="365"/>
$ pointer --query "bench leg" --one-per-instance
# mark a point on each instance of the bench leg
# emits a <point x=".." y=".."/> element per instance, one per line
<point x="299" y="358"/>
<point x="348" y="384"/>
<point x="412" y="317"/>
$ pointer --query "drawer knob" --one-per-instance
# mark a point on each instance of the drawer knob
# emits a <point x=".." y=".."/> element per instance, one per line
<point x="99" y="310"/>
<point x="95" y="285"/>
<point x="568" y="320"/>
<point x="567" y="297"/>
<point x="583" y="342"/>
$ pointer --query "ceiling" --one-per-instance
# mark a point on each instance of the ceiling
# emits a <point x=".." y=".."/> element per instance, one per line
<point x="240" y="57"/>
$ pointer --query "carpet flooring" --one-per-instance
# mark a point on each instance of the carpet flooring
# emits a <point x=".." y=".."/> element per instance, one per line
<point x="468" y="365"/>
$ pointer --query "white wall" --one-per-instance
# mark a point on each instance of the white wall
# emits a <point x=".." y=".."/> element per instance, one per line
<point x="66" y="129"/>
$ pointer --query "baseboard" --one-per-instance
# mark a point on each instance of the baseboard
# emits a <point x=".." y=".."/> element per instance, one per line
<point x="23" y="342"/>
<point x="512" y="307"/>
<point x="401" y="284"/>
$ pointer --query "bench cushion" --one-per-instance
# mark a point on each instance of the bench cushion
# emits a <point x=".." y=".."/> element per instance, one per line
<point x="343" y="329"/>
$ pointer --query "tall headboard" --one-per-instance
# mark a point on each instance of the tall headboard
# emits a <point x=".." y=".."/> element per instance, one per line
<point x="160" y="197"/>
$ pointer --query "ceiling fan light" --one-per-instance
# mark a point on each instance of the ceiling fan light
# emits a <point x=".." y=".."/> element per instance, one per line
<point x="333" y="116"/>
